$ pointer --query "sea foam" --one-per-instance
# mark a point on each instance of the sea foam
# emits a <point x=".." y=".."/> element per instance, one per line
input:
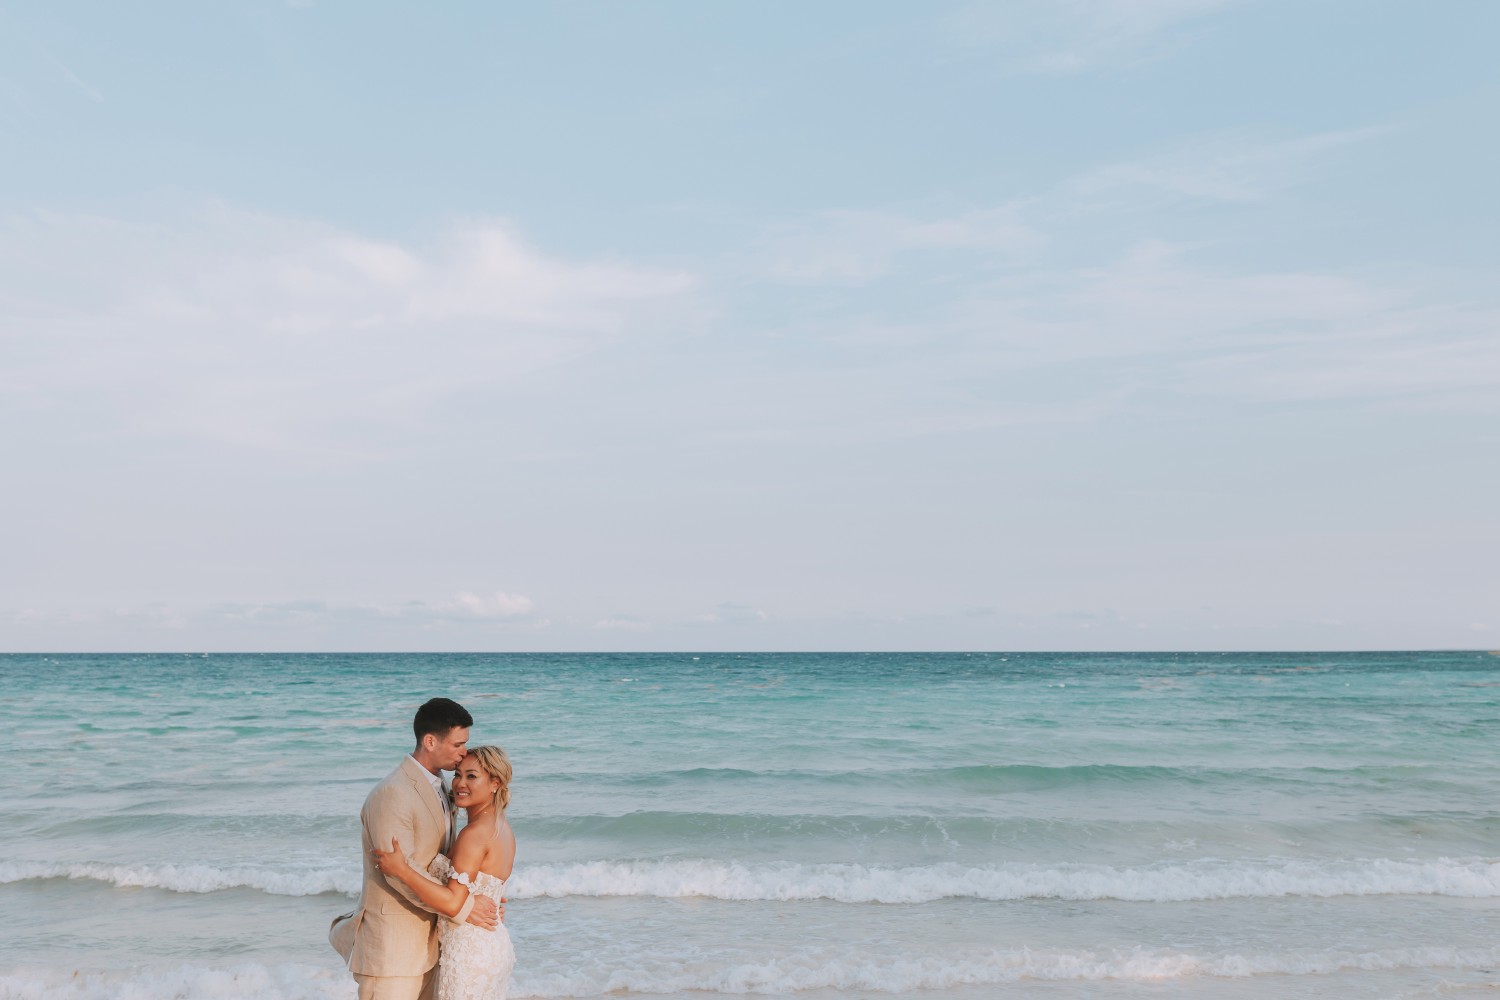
<point x="189" y="878"/>
<point x="854" y="883"/>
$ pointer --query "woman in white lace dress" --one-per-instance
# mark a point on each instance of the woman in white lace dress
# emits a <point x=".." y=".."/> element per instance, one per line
<point x="475" y="964"/>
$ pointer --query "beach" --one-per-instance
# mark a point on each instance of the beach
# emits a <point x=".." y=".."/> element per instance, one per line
<point x="811" y="825"/>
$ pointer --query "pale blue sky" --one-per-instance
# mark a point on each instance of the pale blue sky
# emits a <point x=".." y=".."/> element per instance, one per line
<point x="1059" y="324"/>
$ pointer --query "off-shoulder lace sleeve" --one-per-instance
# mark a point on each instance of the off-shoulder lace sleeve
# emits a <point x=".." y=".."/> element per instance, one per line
<point x="442" y="870"/>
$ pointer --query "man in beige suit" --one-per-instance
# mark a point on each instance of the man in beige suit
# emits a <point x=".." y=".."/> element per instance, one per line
<point x="390" y="941"/>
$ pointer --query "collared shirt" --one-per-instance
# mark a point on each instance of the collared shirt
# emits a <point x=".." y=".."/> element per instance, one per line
<point x="436" y="781"/>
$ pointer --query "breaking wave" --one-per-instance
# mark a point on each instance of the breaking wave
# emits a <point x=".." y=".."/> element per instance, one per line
<point x="854" y="883"/>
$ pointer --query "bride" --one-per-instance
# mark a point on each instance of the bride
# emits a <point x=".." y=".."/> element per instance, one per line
<point x="475" y="963"/>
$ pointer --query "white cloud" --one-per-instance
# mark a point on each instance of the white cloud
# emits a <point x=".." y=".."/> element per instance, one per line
<point x="951" y="311"/>
<point x="497" y="605"/>
<point x="1233" y="166"/>
<point x="856" y="246"/>
<point x="1050" y="343"/>
<point x="1449" y="355"/>
<point x="625" y="623"/>
<point x="78" y="84"/>
<point x="1074" y="36"/>
<point x="497" y="609"/>
<point x="283" y="334"/>
<point x="730" y="613"/>
<point x="1264" y="335"/>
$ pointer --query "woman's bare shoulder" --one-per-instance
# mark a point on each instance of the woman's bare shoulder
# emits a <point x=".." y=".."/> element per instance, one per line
<point x="470" y="848"/>
<point x="469" y="836"/>
<point x="505" y="847"/>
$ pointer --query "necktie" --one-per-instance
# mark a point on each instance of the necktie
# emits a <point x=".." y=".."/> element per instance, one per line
<point x="449" y="815"/>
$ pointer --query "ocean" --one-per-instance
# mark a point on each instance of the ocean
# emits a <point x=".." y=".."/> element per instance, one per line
<point x="816" y="826"/>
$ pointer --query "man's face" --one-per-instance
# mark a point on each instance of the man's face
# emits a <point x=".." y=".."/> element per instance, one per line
<point x="450" y="749"/>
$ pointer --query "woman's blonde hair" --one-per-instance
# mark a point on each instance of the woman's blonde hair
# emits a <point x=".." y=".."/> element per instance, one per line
<point x="494" y="763"/>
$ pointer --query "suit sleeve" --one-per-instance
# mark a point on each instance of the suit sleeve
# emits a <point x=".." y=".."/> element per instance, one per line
<point x="387" y="816"/>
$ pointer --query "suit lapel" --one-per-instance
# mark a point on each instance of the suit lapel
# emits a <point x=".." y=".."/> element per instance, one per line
<point x="424" y="788"/>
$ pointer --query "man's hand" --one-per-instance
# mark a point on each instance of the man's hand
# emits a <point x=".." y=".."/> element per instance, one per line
<point x="485" y="913"/>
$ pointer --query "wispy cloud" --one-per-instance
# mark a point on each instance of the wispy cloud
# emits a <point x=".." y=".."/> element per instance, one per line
<point x="76" y="82"/>
<point x="1019" y="301"/>
<point x="730" y="613"/>
<point x="857" y="246"/>
<point x="464" y="609"/>
<point x="1443" y="357"/>
<point x="274" y="333"/>
<point x="496" y="605"/>
<point x="1074" y="36"/>
<point x="1235" y="166"/>
<point x="1060" y="345"/>
<point x="622" y="623"/>
<point x="1262" y="335"/>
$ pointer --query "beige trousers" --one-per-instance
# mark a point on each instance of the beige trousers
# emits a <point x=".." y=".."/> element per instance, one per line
<point x="398" y="987"/>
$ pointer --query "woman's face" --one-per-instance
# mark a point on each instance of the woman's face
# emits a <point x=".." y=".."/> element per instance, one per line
<point x="471" y="785"/>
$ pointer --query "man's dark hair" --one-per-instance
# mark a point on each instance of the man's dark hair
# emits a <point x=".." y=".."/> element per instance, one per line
<point x="439" y="715"/>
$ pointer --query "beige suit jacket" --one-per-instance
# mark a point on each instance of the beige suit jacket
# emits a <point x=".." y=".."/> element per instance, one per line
<point x="391" y="933"/>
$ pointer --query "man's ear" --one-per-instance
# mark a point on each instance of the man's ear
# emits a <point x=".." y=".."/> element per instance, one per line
<point x="429" y="742"/>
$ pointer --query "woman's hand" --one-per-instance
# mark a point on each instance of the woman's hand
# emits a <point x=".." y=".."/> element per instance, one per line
<point x="392" y="862"/>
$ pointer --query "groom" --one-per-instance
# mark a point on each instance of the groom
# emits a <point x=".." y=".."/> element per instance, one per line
<point x="390" y="941"/>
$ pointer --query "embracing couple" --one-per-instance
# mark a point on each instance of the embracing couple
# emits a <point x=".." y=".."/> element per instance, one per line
<point x="425" y="889"/>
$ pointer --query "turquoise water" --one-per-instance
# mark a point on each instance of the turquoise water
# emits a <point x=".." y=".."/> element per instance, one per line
<point x="810" y="825"/>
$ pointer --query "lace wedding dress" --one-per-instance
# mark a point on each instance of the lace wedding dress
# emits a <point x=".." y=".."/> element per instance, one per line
<point x="475" y="964"/>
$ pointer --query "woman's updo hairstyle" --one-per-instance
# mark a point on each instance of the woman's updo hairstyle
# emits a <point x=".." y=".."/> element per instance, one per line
<point x="497" y="766"/>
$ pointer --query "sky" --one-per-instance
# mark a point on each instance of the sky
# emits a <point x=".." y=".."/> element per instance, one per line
<point x="1019" y="325"/>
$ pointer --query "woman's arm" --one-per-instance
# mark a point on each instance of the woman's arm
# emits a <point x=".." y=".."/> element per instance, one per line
<point x="447" y="899"/>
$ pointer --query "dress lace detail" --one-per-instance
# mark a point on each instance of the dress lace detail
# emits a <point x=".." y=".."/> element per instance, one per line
<point x="475" y="964"/>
